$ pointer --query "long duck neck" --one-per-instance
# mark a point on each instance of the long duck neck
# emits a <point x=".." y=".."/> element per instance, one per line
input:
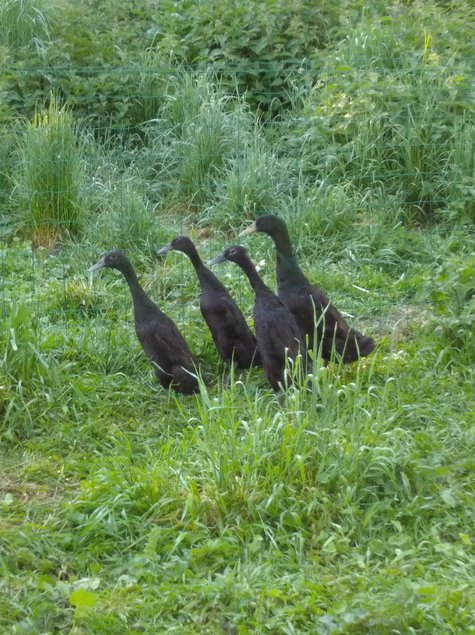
<point x="139" y="296"/>
<point x="201" y="270"/>
<point x="287" y="266"/>
<point x="254" y="278"/>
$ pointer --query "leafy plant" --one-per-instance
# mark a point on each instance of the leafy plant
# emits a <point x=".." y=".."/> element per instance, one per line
<point x="452" y="292"/>
<point x="253" y="46"/>
<point x="388" y="109"/>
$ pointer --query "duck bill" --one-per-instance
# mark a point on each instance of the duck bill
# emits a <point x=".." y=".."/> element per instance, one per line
<point x="165" y="249"/>
<point x="217" y="260"/>
<point x="250" y="230"/>
<point x="99" y="264"/>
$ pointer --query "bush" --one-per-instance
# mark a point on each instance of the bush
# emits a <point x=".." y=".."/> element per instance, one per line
<point x="254" y="46"/>
<point x="389" y="109"/>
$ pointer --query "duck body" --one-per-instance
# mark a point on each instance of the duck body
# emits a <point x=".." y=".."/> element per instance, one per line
<point x="159" y="336"/>
<point x="278" y="336"/>
<point x="277" y="333"/>
<point x="234" y="340"/>
<point x="319" y="320"/>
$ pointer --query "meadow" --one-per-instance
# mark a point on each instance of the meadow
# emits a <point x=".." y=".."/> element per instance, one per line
<point x="344" y="505"/>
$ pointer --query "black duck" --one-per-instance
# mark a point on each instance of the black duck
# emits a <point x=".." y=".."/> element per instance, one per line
<point x="276" y="329"/>
<point x="234" y="340"/>
<point x="160" y="338"/>
<point x="309" y="305"/>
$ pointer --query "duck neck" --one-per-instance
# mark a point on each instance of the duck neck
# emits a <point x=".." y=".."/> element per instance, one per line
<point x="201" y="270"/>
<point x="282" y="242"/>
<point x="139" y="296"/>
<point x="287" y="265"/>
<point x="254" y="278"/>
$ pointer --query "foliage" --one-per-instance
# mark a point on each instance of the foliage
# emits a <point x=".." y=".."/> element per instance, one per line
<point x="210" y="155"/>
<point x="394" y="108"/>
<point x="453" y="295"/>
<point x="126" y="222"/>
<point x="25" y="24"/>
<point x="49" y="181"/>
<point x="253" y="46"/>
<point x="84" y="55"/>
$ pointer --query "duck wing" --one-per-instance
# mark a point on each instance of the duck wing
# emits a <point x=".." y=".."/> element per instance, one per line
<point x="168" y="351"/>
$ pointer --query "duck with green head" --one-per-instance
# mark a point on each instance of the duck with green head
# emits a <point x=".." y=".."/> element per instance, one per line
<point x="318" y="319"/>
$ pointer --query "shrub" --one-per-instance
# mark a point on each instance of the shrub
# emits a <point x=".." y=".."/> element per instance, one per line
<point x="254" y="46"/>
<point x="388" y="110"/>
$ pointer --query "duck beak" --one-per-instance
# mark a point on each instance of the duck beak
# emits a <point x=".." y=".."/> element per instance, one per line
<point x="164" y="250"/>
<point x="99" y="264"/>
<point x="250" y="230"/>
<point x="215" y="261"/>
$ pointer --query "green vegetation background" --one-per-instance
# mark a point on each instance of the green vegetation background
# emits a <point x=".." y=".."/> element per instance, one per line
<point x="347" y="508"/>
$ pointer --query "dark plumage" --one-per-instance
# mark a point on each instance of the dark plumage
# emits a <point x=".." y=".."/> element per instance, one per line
<point x="160" y="338"/>
<point x="233" y="338"/>
<point x="276" y="329"/>
<point x="307" y="303"/>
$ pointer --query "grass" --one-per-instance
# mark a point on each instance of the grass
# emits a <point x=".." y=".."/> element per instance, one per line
<point x="408" y="90"/>
<point x="342" y="506"/>
<point x="341" y="509"/>
<point x="25" y="23"/>
<point x="49" y="182"/>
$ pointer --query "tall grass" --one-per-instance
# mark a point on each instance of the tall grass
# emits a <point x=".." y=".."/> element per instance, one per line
<point x="387" y="113"/>
<point x="126" y="221"/>
<point x="152" y="84"/>
<point x="215" y="152"/>
<point x="25" y="23"/>
<point x="49" y="185"/>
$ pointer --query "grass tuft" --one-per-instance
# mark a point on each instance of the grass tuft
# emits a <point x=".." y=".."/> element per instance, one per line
<point x="49" y="184"/>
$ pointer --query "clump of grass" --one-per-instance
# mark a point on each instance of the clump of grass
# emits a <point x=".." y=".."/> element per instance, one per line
<point x="213" y="150"/>
<point x="128" y="221"/>
<point x="187" y="139"/>
<point x="25" y="23"/>
<point x="7" y="152"/>
<point x="198" y="132"/>
<point x="154" y="77"/>
<point x="253" y="181"/>
<point x="186" y="93"/>
<point x="49" y="183"/>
